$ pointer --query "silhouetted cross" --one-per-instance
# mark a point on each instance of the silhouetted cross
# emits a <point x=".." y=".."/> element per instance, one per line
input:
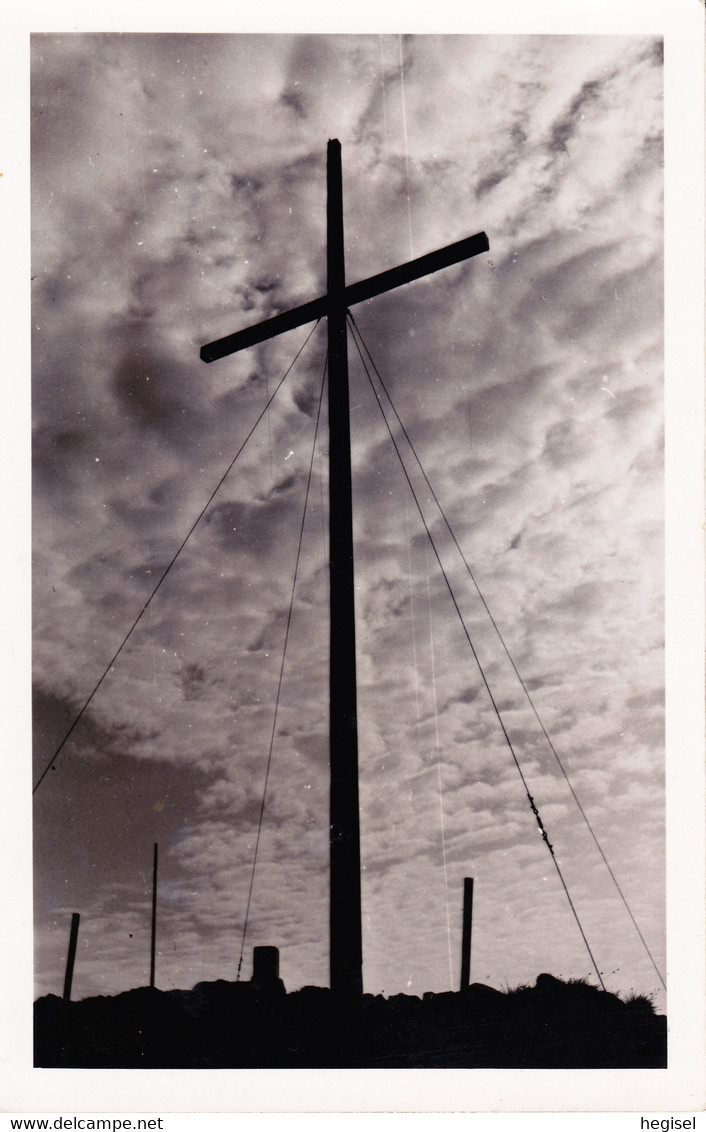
<point x="346" y="957"/>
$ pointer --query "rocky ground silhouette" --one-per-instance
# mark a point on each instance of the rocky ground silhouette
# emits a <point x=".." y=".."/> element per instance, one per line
<point x="223" y="1025"/>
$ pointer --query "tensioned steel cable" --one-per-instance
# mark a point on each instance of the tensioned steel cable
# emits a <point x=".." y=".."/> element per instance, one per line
<point x="523" y="685"/>
<point x="496" y="709"/>
<point x="147" y="604"/>
<point x="281" y="677"/>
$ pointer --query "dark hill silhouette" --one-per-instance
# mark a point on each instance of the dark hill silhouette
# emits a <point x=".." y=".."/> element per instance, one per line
<point x="222" y="1025"/>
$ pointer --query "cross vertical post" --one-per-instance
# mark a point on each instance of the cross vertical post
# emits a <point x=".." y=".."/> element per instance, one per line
<point x="346" y="948"/>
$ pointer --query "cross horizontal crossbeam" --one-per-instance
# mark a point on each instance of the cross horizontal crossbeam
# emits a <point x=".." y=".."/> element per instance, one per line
<point x="354" y="293"/>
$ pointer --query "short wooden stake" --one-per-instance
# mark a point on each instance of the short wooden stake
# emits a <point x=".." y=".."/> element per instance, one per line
<point x="71" y="957"/>
<point x="154" y="914"/>
<point x="466" y="943"/>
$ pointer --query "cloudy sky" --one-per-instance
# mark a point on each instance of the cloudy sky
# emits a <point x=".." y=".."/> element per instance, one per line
<point x="179" y="189"/>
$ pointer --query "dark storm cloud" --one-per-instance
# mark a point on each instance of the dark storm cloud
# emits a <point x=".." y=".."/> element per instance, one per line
<point x="632" y="404"/>
<point x="565" y="127"/>
<point x="255" y="528"/>
<point x="306" y="399"/>
<point x="54" y="452"/>
<point x="564" y="445"/>
<point x="192" y="676"/>
<point x="145" y="387"/>
<point x="293" y="99"/>
<point x="506" y="162"/>
<point x="103" y="747"/>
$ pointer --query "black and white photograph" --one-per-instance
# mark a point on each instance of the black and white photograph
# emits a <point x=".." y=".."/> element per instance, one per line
<point x="348" y="551"/>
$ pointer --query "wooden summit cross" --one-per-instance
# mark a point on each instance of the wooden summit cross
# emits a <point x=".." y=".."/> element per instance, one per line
<point x="346" y="953"/>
